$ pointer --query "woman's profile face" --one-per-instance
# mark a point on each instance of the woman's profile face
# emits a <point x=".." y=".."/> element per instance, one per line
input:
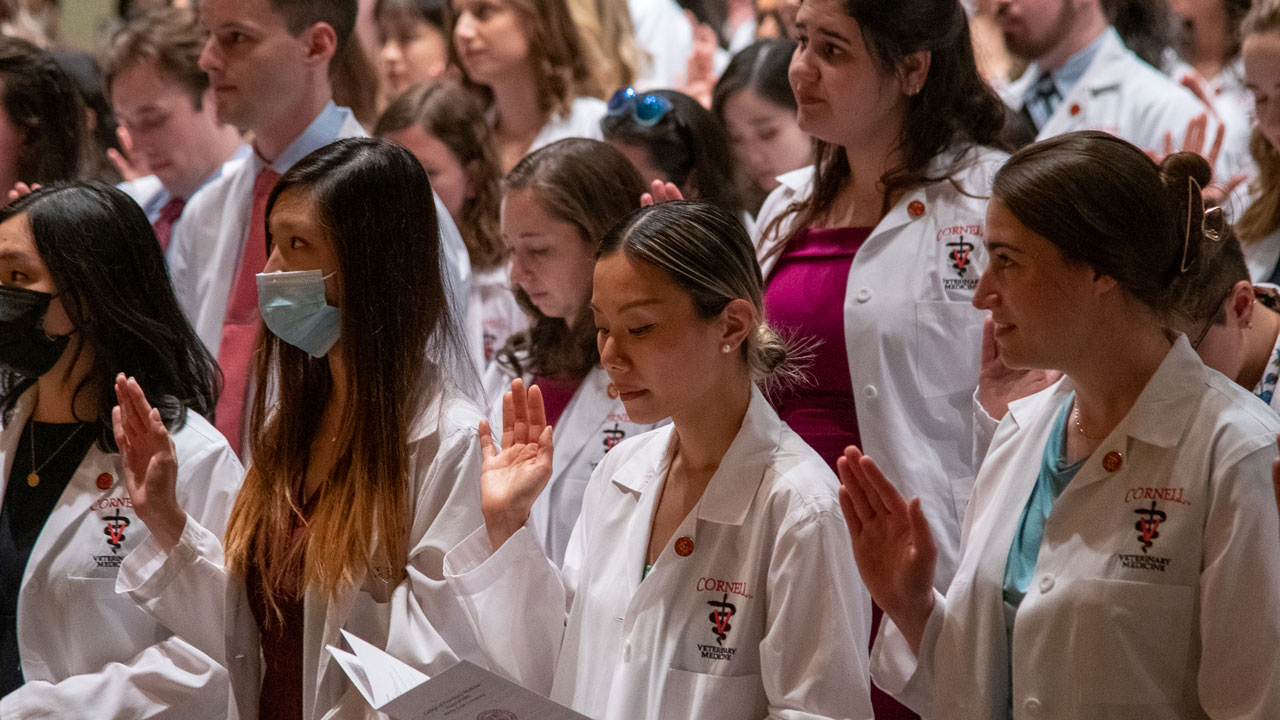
<point x="299" y="241"/>
<point x="1043" y="305"/>
<point x="1261" y="52"/>
<point x="22" y="267"/>
<point x="550" y="259"/>
<point x="449" y="178"/>
<point x="490" y="38"/>
<point x="658" y="352"/>
<point x="412" y="51"/>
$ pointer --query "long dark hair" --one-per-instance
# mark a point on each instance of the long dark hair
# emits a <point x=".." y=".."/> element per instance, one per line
<point x="374" y="199"/>
<point x="955" y="109"/>
<point x="592" y="186"/>
<point x="104" y="259"/>
<point x="687" y="144"/>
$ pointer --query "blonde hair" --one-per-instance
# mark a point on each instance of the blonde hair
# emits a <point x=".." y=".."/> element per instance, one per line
<point x="1263" y="215"/>
<point x="607" y="34"/>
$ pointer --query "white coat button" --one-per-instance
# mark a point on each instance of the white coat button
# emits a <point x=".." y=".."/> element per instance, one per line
<point x="863" y="295"/>
<point x="626" y="652"/>
<point x="870" y="392"/>
<point x="1032" y="706"/>
<point x="1046" y="583"/>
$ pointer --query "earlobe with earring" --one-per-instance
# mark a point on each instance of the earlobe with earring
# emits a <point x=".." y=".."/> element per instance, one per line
<point x="725" y="348"/>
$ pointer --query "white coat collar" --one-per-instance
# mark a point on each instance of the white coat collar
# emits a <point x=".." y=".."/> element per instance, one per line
<point x="1158" y="417"/>
<point x="1098" y="77"/>
<point x="732" y="488"/>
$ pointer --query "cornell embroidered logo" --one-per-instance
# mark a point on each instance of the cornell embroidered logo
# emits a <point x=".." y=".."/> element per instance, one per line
<point x="722" y="611"/>
<point x="115" y="530"/>
<point x="960" y="250"/>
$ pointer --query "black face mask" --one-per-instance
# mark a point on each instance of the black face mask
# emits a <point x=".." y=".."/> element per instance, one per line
<point x="24" y="346"/>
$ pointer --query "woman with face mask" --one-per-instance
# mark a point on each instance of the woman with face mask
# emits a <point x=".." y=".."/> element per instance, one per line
<point x="708" y="575"/>
<point x="365" y="455"/>
<point x="83" y="296"/>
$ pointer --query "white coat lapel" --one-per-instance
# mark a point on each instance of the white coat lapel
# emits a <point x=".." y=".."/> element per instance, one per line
<point x="12" y="433"/>
<point x="82" y="501"/>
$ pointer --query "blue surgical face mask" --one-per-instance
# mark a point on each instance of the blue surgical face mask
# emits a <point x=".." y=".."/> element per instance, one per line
<point x="293" y="307"/>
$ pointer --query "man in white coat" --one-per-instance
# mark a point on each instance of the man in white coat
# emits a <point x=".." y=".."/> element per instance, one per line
<point x="268" y="64"/>
<point x="1082" y="77"/>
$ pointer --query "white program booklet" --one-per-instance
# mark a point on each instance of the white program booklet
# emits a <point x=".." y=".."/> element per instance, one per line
<point x="463" y="691"/>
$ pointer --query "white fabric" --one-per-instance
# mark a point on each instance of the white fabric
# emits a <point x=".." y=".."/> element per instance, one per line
<point x="1119" y="94"/>
<point x="1111" y="627"/>
<point x="666" y="36"/>
<point x="591" y="424"/>
<point x="1262" y="256"/>
<point x="87" y="652"/>
<point x="418" y="621"/>
<point x="493" y="314"/>
<point x="583" y="121"/>
<point x="767" y="538"/>
<point x="912" y="336"/>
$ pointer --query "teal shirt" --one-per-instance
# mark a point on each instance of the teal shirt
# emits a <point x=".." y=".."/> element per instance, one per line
<point x="1054" y="475"/>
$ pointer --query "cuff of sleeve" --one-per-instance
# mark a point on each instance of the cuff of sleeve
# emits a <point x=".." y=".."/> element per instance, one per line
<point x="896" y="669"/>
<point x="146" y="571"/>
<point x="471" y="567"/>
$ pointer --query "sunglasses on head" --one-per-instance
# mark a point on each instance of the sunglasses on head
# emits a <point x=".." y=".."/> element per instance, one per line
<point x="646" y="110"/>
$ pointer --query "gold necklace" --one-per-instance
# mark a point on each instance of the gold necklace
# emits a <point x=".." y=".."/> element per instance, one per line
<point x="1075" y="418"/>
<point x="33" y="478"/>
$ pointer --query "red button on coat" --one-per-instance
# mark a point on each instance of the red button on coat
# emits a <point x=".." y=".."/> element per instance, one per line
<point x="104" y="481"/>
<point x="915" y="209"/>
<point x="684" y="546"/>
<point x="1075" y="109"/>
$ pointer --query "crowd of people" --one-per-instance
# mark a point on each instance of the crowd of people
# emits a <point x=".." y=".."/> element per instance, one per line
<point x="675" y="360"/>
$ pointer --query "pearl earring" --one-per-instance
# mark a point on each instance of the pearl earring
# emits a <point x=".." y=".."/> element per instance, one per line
<point x="725" y="348"/>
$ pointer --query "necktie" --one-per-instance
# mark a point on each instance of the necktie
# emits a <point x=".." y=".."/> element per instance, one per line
<point x="241" y="322"/>
<point x="169" y="215"/>
<point x="1045" y="92"/>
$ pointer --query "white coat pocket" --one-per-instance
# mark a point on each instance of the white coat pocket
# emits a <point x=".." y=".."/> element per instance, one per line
<point x="948" y="348"/>
<point x="700" y="696"/>
<point x="1134" y="642"/>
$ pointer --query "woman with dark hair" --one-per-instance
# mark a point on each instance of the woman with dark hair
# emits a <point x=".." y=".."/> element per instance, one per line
<point x="754" y="103"/>
<point x="526" y="60"/>
<point x="443" y="125"/>
<point x="670" y="138"/>
<point x="558" y="204"/>
<point x="414" y="46"/>
<point x="872" y="254"/>
<point x="709" y="575"/>
<point x="1117" y="510"/>
<point x="365" y="455"/>
<point x="84" y="295"/>
<point x="42" y="118"/>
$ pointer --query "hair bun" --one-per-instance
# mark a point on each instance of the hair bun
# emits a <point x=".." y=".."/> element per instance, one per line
<point x="1175" y="169"/>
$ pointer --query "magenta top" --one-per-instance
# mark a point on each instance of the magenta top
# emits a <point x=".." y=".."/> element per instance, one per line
<point x="556" y="394"/>
<point x="804" y="300"/>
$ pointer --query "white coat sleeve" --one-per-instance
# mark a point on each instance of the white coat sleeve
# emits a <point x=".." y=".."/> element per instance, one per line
<point x="170" y="679"/>
<point x="897" y="670"/>
<point x="813" y="656"/>
<point x="516" y="601"/>
<point x="428" y="627"/>
<point x="1239" y="625"/>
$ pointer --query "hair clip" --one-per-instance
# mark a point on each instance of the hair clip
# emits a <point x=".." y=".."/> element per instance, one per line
<point x="1213" y="222"/>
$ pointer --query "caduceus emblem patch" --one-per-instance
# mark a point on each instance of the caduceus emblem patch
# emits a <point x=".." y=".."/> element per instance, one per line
<point x="1148" y="525"/>
<point x="114" y="530"/>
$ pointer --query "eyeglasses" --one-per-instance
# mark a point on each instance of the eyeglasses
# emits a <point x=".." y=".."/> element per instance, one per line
<point x="1213" y="320"/>
<point x="646" y="110"/>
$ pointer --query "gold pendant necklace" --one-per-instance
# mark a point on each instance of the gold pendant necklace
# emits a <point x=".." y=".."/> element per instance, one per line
<point x="33" y="477"/>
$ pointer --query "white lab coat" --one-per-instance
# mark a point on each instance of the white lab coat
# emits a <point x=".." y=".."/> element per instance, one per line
<point x="592" y="423"/>
<point x="493" y="314"/>
<point x="913" y="338"/>
<point x="1111" y="627"/>
<point x="418" y="621"/>
<point x="582" y="121"/>
<point x="1262" y="256"/>
<point x="665" y="36"/>
<point x="87" y="653"/>
<point x="765" y="617"/>
<point x="207" y="245"/>
<point x="1119" y="94"/>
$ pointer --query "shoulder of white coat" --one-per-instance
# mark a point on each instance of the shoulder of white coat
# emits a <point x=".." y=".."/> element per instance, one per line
<point x="799" y="479"/>
<point x="972" y="172"/>
<point x="142" y="189"/>
<point x="457" y="418"/>
<point x="198" y="441"/>
<point x="793" y="186"/>
<point x="1149" y="91"/>
<point x="1236" y="410"/>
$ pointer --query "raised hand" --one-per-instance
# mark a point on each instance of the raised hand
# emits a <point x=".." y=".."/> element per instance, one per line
<point x="660" y="191"/>
<point x="20" y="189"/>
<point x="1194" y="141"/>
<point x="998" y="384"/>
<point x="892" y="544"/>
<point x="513" y="478"/>
<point x="150" y="462"/>
<point x="124" y="162"/>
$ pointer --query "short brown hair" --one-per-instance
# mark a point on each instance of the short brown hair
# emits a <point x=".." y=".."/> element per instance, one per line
<point x="170" y="37"/>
